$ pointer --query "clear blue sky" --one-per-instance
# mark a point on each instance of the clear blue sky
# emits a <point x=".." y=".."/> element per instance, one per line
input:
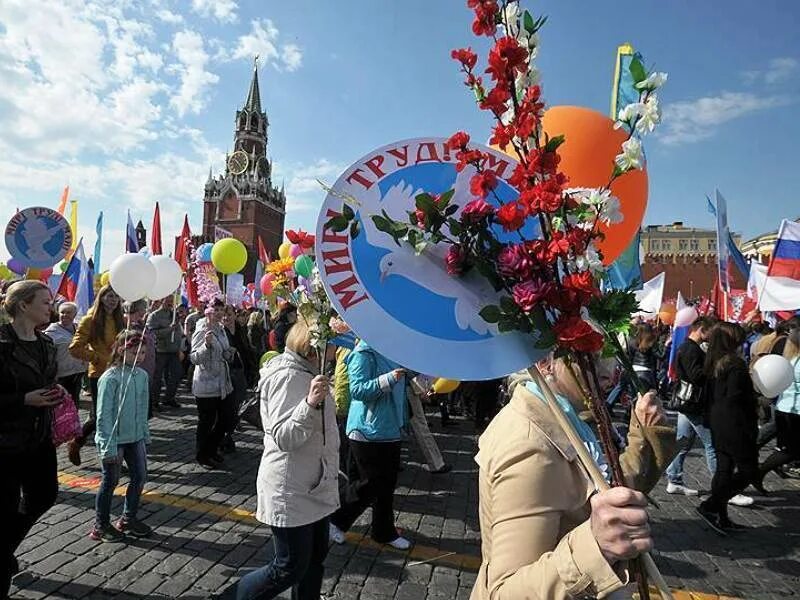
<point x="130" y="105"/>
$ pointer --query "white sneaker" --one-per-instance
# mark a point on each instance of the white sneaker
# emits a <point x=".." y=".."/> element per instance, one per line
<point x="679" y="488"/>
<point x="740" y="500"/>
<point x="400" y="543"/>
<point x="336" y="535"/>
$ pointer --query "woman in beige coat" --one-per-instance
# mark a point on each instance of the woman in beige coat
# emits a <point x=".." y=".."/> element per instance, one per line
<point x="545" y="531"/>
<point x="298" y="477"/>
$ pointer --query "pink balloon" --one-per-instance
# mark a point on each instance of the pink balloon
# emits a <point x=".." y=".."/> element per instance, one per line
<point x="686" y="316"/>
<point x="295" y="250"/>
<point x="266" y="284"/>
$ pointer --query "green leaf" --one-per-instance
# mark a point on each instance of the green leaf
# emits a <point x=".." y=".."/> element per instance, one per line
<point x="455" y="226"/>
<point x="553" y="143"/>
<point x="348" y="213"/>
<point x="490" y="313"/>
<point x="504" y="325"/>
<point x="425" y="203"/>
<point x="445" y="198"/>
<point x="508" y="305"/>
<point x="337" y="223"/>
<point x="450" y="210"/>
<point x="420" y="246"/>
<point x="355" y="229"/>
<point x="383" y="224"/>
<point x="637" y="70"/>
<point x="527" y="23"/>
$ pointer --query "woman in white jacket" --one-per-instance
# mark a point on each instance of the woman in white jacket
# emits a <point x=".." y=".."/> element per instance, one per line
<point x="297" y="480"/>
<point x="211" y="383"/>
<point x="70" y="369"/>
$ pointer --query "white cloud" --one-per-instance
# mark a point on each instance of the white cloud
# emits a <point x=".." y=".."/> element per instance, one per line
<point x="263" y="41"/>
<point x="778" y="70"/>
<point x="694" y="120"/>
<point x="188" y="46"/>
<point x="221" y="10"/>
<point x="167" y="16"/>
<point x="304" y="195"/>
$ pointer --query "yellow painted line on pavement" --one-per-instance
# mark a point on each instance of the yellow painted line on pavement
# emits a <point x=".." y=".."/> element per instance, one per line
<point x="417" y="552"/>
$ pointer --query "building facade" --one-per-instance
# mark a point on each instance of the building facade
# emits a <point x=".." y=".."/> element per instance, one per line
<point x="242" y="202"/>
<point x="688" y="257"/>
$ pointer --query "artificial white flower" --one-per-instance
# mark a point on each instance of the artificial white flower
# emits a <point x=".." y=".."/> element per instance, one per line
<point x="649" y="116"/>
<point x="628" y="114"/>
<point x="590" y="260"/>
<point x="611" y="211"/>
<point x="653" y="82"/>
<point x="511" y="17"/>
<point x="631" y="156"/>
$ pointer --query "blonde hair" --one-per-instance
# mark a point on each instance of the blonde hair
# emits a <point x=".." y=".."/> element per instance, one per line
<point x="19" y="292"/>
<point x="299" y="337"/>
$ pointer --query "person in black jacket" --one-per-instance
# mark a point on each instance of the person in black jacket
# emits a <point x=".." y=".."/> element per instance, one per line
<point x="28" y="467"/>
<point x="733" y="417"/>
<point x="690" y="364"/>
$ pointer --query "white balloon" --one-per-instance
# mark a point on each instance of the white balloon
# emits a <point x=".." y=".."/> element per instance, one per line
<point x="772" y="375"/>
<point x="145" y="250"/>
<point x="686" y="316"/>
<point x="168" y="277"/>
<point x="132" y="276"/>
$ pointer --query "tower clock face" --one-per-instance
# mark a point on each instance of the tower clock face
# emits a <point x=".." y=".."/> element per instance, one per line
<point x="237" y="163"/>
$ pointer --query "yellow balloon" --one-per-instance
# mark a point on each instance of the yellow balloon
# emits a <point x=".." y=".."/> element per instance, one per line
<point x="228" y="256"/>
<point x="105" y="279"/>
<point x="284" y="249"/>
<point x="445" y="386"/>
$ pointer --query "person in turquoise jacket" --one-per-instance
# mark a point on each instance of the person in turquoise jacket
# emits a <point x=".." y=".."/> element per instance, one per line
<point x="376" y="423"/>
<point x="123" y="395"/>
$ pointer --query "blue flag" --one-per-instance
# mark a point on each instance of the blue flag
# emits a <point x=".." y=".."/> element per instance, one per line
<point x="627" y="269"/>
<point x="98" y="245"/>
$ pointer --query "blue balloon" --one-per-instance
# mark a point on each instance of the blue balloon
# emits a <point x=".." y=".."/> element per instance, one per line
<point x="204" y="252"/>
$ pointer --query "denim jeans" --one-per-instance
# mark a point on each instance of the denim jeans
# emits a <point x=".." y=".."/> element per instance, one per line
<point x="135" y="455"/>
<point x="691" y="427"/>
<point x="298" y="564"/>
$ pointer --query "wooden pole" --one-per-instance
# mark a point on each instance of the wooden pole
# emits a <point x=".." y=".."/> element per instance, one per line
<point x="592" y="469"/>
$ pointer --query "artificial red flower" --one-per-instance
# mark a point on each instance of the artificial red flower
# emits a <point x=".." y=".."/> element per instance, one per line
<point x="559" y="245"/>
<point x="476" y="210"/>
<point x="458" y="141"/>
<point x="529" y="294"/>
<point x="496" y="99"/>
<point x="511" y="216"/>
<point x="466" y="57"/>
<point x="454" y="261"/>
<point x="506" y="57"/>
<point x="502" y="135"/>
<point x="302" y="238"/>
<point x="514" y="262"/>
<point x="546" y="196"/>
<point x="467" y="157"/>
<point x="482" y="183"/>
<point x="582" y="285"/>
<point x="521" y="178"/>
<point x="539" y="251"/>
<point x="576" y="334"/>
<point x="485" y="16"/>
<point x="419" y="214"/>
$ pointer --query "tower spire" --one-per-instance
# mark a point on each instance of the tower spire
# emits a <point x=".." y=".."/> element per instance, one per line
<point x="253" y="103"/>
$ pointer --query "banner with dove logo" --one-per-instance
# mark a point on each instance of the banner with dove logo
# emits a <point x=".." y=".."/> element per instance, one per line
<point x="402" y="302"/>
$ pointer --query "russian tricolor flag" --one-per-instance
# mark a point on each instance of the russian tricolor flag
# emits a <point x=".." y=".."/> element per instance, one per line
<point x="781" y="289"/>
<point x="77" y="283"/>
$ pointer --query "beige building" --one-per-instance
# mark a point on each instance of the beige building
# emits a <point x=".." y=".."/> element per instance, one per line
<point x="677" y="240"/>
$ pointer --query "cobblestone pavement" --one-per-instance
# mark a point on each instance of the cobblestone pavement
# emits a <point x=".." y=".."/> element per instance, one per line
<point x="205" y="535"/>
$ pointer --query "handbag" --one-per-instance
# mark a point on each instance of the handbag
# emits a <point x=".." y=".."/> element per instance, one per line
<point x="65" y="424"/>
<point x="687" y="398"/>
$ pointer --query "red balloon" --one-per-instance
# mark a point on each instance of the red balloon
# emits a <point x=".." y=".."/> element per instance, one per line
<point x="266" y="284"/>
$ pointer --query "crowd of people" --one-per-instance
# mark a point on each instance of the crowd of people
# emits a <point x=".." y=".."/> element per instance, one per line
<point x="334" y="422"/>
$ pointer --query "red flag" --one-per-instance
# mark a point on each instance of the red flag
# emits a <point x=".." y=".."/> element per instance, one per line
<point x="263" y="255"/>
<point x="155" y="232"/>
<point x="183" y="256"/>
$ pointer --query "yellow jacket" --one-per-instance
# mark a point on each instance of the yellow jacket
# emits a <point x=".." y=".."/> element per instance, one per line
<point x="97" y="352"/>
<point x="536" y="539"/>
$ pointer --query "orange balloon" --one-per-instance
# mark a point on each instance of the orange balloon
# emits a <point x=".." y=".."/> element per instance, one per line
<point x="667" y="313"/>
<point x="587" y="158"/>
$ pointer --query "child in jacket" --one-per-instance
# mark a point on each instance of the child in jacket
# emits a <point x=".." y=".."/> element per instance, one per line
<point x="122" y="433"/>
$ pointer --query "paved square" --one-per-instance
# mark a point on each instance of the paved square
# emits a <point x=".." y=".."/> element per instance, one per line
<point x="205" y="532"/>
